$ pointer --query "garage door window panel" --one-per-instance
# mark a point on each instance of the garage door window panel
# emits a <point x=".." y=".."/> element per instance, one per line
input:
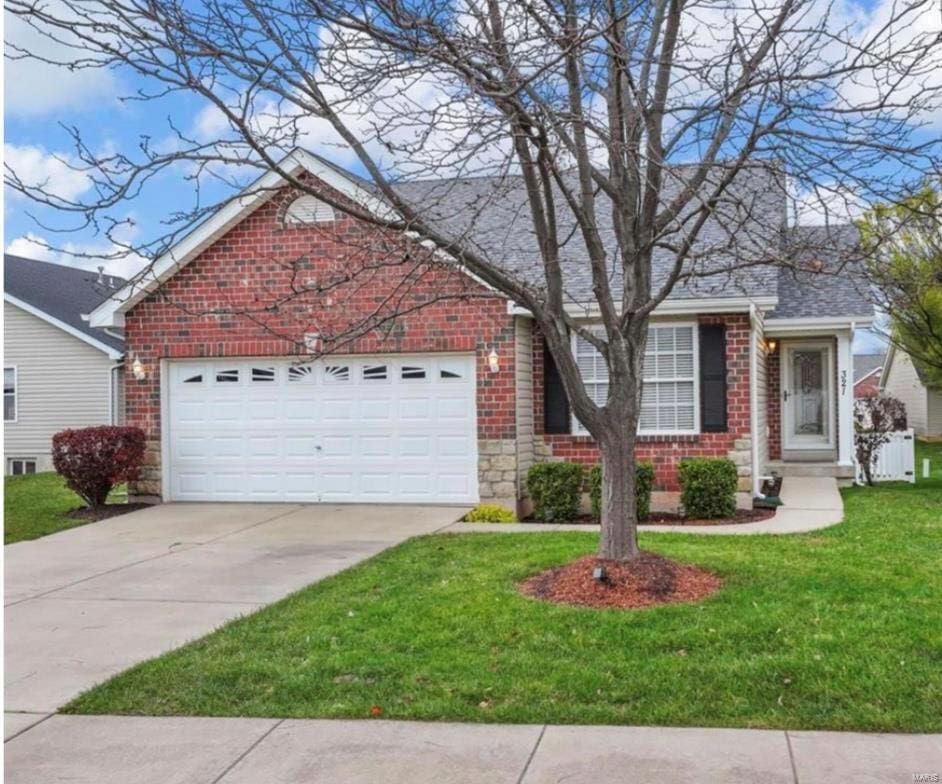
<point x="228" y="376"/>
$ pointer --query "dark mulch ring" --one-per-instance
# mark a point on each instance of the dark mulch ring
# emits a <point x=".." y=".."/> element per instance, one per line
<point x="673" y="518"/>
<point x="646" y="581"/>
<point x="103" y="512"/>
<point x="741" y="516"/>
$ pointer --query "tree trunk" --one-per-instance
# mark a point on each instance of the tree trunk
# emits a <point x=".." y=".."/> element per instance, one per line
<point x="619" y="540"/>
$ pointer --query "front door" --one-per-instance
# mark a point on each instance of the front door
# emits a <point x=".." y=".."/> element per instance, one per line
<point x="807" y="420"/>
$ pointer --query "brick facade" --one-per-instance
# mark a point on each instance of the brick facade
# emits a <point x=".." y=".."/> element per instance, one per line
<point x="666" y="452"/>
<point x="273" y="283"/>
<point x="774" y="402"/>
<point x="868" y="387"/>
<point x="265" y="284"/>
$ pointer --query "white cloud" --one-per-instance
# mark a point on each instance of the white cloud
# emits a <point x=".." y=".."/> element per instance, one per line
<point x="824" y="204"/>
<point x="54" y="173"/>
<point x="900" y="69"/>
<point x="88" y="256"/>
<point x="35" y="89"/>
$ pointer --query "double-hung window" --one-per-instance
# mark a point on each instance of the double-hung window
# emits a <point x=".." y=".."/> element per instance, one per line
<point x="9" y="394"/>
<point x="669" y="403"/>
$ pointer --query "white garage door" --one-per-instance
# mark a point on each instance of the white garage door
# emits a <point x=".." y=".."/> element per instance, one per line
<point x="383" y="429"/>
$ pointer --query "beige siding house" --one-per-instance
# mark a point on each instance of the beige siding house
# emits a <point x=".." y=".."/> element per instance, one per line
<point x="58" y="372"/>
<point x="902" y="380"/>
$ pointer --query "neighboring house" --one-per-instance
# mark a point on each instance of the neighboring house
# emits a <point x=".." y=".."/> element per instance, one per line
<point x="868" y="368"/>
<point x="456" y="400"/>
<point x="58" y="372"/>
<point x="902" y="379"/>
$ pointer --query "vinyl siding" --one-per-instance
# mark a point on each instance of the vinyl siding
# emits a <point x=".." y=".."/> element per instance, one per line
<point x="934" y="413"/>
<point x="523" y="363"/>
<point x="62" y="382"/>
<point x="902" y="382"/>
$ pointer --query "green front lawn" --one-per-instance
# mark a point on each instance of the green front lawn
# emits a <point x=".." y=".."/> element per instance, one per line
<point x="36" y="505"/>
<point x="840" y="629"/>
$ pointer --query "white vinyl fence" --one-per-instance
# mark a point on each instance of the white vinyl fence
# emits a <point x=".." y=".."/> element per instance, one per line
<point x="896" y="461"/>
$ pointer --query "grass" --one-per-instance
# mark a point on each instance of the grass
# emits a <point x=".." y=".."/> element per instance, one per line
<point x="37" y="505"/>
<point x="840" y="629"/>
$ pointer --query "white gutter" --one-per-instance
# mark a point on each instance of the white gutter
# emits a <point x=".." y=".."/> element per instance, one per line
<point x="670" y="307"/>
<point x="754" y="402"/>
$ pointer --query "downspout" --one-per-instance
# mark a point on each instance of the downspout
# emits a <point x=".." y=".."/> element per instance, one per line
<point x="754" y="401"/>
<point x="112" y="392"/>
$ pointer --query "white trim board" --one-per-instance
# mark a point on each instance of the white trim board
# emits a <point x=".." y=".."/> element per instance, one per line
<point x="70" y="330"/>
<point x="813" y="326"/>
<point x="671" y="307"/>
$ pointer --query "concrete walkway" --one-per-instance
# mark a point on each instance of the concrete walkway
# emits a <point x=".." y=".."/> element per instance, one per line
<point x="85" y="604"/>
<point x="810" y="503"/>
<point x="125" y="749"/>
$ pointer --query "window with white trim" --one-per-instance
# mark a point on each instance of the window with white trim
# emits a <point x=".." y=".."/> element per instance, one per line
<point x="669" y="387"/>
<point x="18" y="466"/>
<point x="9" y="394"/>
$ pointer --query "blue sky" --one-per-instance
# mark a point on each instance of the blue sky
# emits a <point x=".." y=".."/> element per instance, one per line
<point x="41" y="102"/>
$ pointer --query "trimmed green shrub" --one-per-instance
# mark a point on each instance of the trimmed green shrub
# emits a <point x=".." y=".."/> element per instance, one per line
<point x="490" y="513"/>
<point x="555" y="489"/>
<point x="644" y="484"/>
<point x="708" y="487"/>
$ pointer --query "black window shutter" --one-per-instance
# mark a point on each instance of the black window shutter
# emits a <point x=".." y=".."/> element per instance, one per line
<point x="713" y="378"/>
<point x="555" y="403"/>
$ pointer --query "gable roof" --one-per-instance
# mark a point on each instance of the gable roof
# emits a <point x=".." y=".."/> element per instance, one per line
<point x="61" y="295"/>
<point x="838" y="289"/>
<point x="866" y="365"/>
<point x="491" y="213"/>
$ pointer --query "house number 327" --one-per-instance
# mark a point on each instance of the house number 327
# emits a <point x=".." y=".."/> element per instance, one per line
<point x="843" y="382"/>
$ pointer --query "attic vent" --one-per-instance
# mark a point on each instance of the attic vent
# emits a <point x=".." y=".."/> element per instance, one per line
<point x="307" y="209"/>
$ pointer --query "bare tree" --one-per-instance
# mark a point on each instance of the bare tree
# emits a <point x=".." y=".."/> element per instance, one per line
<point x="628" y="124"/>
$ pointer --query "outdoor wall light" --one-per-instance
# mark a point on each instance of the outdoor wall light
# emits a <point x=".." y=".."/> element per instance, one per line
<point x="493" y="361"/>
<point x="771" y="344"/>
<point x="137" y="368"/>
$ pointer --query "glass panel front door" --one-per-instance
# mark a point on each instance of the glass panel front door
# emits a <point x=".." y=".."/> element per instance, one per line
<point x="806" y="396"/>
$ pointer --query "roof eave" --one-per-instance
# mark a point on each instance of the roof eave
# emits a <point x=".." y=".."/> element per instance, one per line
<point x="671" y="307"/>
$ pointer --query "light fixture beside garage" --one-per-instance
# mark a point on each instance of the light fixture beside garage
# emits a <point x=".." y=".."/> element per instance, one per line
<point x="138" y="369"/>
<point x="493" y="361"/>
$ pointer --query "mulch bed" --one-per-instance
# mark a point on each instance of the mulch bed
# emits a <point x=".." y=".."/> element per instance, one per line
<point x="672" y="518"/>
<point x="647" y="581"/>
<point x="103" y="512"/>
<point x="741" y="516"/>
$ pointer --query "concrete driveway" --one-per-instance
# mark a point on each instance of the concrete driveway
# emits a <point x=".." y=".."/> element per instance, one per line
<point x="87" y="603"/>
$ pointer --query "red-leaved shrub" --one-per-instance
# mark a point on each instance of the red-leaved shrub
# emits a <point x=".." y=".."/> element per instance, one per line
<point x="95" y="459"/>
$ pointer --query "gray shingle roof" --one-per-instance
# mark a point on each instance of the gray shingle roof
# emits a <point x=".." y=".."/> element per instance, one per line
<point x="64" y="293"/>
<point x="829" y="282"/>
<point x="747" y="229"/>
<point x="493" y="215"/>
<point x="864" y="364"/>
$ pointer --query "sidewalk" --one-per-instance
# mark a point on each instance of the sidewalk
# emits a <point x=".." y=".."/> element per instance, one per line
<point x="142" y="750"/>
<point x="810" y="503"/>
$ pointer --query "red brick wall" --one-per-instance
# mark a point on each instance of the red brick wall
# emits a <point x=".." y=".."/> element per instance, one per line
<point x="666" y="452"/>
<point x="869" y="387"/>
<point x="773" y="401"/>
<point x="264" y="266"/>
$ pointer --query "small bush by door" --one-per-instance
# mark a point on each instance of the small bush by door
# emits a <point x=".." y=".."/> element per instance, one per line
<point x="708" y="487"/>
